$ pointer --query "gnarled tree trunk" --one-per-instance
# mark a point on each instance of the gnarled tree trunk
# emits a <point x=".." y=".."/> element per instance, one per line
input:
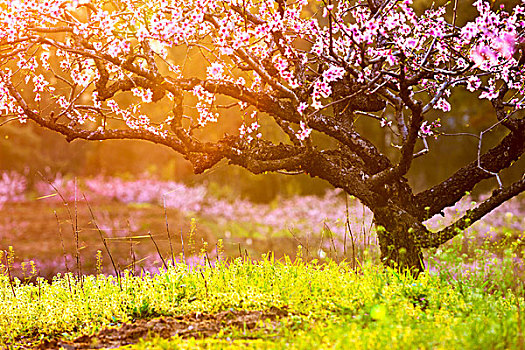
<point x="396" y="232"/>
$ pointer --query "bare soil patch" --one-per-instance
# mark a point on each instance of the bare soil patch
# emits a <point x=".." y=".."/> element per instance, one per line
<point x="195" y="325"/>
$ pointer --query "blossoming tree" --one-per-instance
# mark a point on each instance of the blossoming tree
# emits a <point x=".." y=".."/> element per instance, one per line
<point x="90" y="69"/>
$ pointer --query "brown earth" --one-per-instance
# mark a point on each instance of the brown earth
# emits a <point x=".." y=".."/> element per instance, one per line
<point x="194" y="325"/>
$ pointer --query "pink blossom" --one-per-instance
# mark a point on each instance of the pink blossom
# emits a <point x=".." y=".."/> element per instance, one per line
<point x="443" y="105"/>
<point x="385" y="122"/>
<point x="302" y="107"/>
<point x="469" y="31"/>
<point x="473" y="83"/>
<point x="215" y="71"/>
<point x="428" y="129"/>
<point x="62" y="102"/>
<point x="322" y="88"/>
<point x="481" y="55"/>
<point x="304" y="132"/>
<point x="489" y="95"/>
<point x="316" y="104"/>
<point x="145" y="94"/>
<point x="333" y="73"/>
<point x="425" y="129"/>
<point x="505" y="45"/>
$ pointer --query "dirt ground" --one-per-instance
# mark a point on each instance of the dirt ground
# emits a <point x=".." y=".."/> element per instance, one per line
<point x="193" y="325"/>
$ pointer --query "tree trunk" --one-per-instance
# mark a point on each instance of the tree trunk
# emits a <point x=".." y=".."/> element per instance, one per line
<point x="396" y="233"/>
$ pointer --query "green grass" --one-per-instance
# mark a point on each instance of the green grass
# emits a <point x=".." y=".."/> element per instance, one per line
<point x="329" y="306"/>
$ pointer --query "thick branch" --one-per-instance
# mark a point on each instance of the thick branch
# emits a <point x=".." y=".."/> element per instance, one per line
<point x="435" y="239"/>
<point x="105" y="92"/>
<point x="407" y="151"/>
<point x="374" y="160"/>
<point x="328" y="166"/>
<point x="71" y="133"/>
<point x="269" y="158"/>
<point x="349" y="178"/>
<point x="284" y="110"/>
<point x="448" y="192"/>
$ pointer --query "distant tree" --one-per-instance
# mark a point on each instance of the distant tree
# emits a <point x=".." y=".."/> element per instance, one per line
<point x="92" y="69"/>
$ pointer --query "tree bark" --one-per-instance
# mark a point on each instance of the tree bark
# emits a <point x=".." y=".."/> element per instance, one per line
<point x="397" y="235"/>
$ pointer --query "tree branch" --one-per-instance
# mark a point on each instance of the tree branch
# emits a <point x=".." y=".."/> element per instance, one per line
<point x="71" y="133"/>
<point x="448" y="192"/>
<point x="407" y="150"/>
<point x="435" y="239"/>
<point x="284" y="110"/>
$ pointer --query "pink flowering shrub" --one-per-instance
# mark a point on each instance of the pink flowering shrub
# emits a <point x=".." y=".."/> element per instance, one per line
<point x="67" y="188"/>
<point x="300" y="219"/>
<point x="510" y="216"/>
<point x="303" y="214"/>
<point x="174" y="195"/>
<point x="12" y="187"/>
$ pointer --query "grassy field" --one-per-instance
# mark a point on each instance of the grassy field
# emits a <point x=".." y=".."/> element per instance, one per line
<point x="263" y="304"/>
<point x="194" y="273"/>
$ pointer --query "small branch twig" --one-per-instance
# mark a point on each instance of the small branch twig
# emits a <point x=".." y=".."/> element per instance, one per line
<point x="158" y="250"/>
<point x="63" y="249"/>
<point x="168" y="229"/>
<point x="117" y="272"/>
